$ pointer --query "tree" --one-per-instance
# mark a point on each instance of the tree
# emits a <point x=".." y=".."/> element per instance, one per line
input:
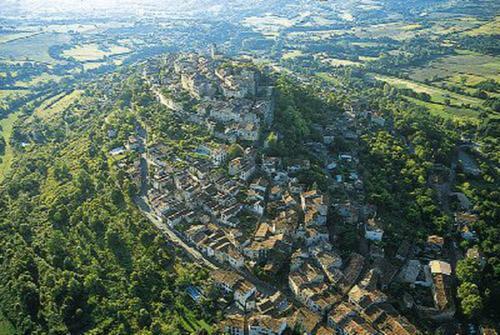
<point x="235" y="150"/>
<point x="471" y="301"/>
<point x="469" y="270"/>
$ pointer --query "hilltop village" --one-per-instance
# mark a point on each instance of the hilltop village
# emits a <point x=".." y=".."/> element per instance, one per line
<point x="269" y="239"/>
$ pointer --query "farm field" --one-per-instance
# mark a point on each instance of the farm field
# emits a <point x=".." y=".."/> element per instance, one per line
<point x="454" y="25"/>
<point x="8" y="37"/>
<point x="320" y="35"/>
<point x="397" y="30"/>
<point x="447" y="112"/>
<point x="268" y="25"/>
<point x="474" y="66"/>
<point x="6" y="93"/>
<point x="327" y="77"/>
<point x="489" y="28"/>
<point x="292" y="54"/>
<point x="93" y="52"/>
<point x="438" y="95"/>
<point x="337" y="62"/>
<point x="7" y="125"/>
<point x="92" y="65"/>
<point x="56" y="104"/>
<point x="45" y="77"/>
<point x="34" y="48"/>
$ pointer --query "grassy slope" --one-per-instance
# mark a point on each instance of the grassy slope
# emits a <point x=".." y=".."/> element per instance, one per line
<point x="35" y="47"/>
<point x="6" y="132"/>
<point x="438" y="94"/>
<point x="446" y="111"/>
<point x="488" y="28"/>
<point x="438" y="97"/>
<point x="56" y="104"/>
<point x="4" y="38"/>
<point x="92" y="52"/>
<point x="472" y="65"/>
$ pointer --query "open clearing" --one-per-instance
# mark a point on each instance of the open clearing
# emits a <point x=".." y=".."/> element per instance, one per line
<point x="397" y="30"/>
<point x="11" y="93"/>
<point x="191" y="323"/>
<point x="319" y="35"/>
<point x="438" y="95"/>
<point x="34" y="48"/>
<point x="43" y="78"/>
<point x="268" y="25"/>
<point x="466" y="63"/>
<point x="6" y="125"/>
<point x="56" y="104"/>
<point x="8" y="37"/>
<point x="489" y="28"/>
<point x="292" y="54"/>
<point x="93" y="52"/>
<point x="447" y="112"/>
<point x="337" y="62"/>
<point x="454" y="25"/>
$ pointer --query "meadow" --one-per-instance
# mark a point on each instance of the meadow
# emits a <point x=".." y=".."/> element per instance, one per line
<point x="6" y="125"/>
<point x="474" y="66"/>
<point x="56" y="104"/>
<point x="396" y="30"/>
<point x="438" y="95"/>
<point x="292" y="54"/>
<point x="35" y="48"/>
<point x="337" y="62"/>
<point x="447" y="112"/>
<point x="488" y="28"/>
<point x="8" y="37"/>
<point x="93" y="52"/>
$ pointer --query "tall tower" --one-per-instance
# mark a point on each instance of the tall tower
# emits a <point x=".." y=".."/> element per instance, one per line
<point x="213" y="50"/>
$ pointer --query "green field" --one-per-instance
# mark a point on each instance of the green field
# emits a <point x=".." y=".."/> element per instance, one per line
<point x="56" y="104"/>
<point x="268" y="25"/>
<point x="397" y="30"/>
<point x="4" y="38"/>
<point x="292" y="54"/>
<point x="10" y="93"/>
<point x="93" y="65"/>
<point x="44" y="77"/>
<point x="6" y="132"/>
<point x="327" y="77"/>
<point x="476" y="66"/>
<point x="33" y="48"/>
<point x="438" y="95"/>
<point x="337" y="62"/>
<point x="489" y="28"/>
<point x="454" y="25"/>
<point x="93" y="52"/>
<point x="447" y="112"/>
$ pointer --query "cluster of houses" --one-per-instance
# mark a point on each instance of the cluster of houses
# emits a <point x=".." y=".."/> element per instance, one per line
<point x="225" y="97"/>
<point x="248" y="213"/>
